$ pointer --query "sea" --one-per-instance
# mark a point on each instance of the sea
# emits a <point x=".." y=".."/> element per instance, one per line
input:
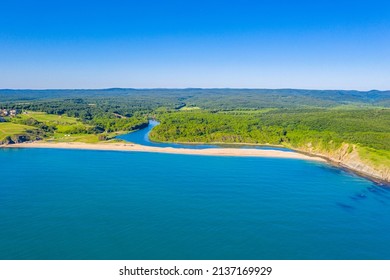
<point x="58" y="204"/>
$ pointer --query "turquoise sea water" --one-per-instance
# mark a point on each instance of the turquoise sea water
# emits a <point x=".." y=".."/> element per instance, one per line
<point x="73" y="204"/>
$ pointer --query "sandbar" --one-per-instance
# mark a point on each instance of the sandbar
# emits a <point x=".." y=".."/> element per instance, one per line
<point x="239" y="152"/>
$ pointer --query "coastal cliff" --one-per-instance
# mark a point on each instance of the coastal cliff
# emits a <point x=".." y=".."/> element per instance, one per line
<point x="352" y="157"/>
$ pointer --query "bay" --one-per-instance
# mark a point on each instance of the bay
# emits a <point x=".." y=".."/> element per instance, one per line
<point x="76" y="204"/>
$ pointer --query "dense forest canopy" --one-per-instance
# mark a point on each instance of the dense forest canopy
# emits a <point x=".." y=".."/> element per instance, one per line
<point x="369" y="127"/>
<point x="208" y="98"/>
<point x="322" y="119"/>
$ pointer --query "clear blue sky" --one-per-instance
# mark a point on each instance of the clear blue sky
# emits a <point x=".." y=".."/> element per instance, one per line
<point x="146" y="44"/>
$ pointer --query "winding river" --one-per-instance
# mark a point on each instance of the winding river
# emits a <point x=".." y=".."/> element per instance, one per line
<point x="141" y="137"/>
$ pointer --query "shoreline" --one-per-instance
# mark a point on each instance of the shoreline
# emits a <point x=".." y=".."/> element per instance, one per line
<point x="331" y="161"/>
<point x="346" y="167"/>
<point x="223" y="144"/>
<point x="167" y="150"/>
<point x="232" y="152"/>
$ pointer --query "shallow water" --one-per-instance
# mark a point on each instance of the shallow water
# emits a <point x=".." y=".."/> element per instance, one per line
<point x="74" y="204"/>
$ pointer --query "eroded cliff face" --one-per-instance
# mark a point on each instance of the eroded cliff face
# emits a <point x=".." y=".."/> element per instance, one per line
<point x="348" y="156"/>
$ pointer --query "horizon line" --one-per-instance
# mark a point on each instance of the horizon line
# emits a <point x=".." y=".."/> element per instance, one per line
<point x="191" y="88"/>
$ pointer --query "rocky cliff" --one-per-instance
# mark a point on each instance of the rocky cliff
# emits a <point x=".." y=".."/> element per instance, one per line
<point x="348" y="156"/>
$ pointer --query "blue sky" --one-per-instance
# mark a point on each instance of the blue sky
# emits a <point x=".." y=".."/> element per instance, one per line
<point x="147" y="44"/>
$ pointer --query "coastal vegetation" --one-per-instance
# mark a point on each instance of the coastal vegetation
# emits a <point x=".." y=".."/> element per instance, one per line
<point x="38" y="125"/>
<point x="343" y="126"/>
<point x="329" y="128"/>
<point x="11" y="132"/>
<point x="320" y="131"/>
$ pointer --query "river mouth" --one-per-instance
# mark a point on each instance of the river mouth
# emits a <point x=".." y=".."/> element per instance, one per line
<point x="141" y="137"/>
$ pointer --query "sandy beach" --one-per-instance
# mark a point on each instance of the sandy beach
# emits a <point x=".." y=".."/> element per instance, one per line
<point x="169" y="150"/>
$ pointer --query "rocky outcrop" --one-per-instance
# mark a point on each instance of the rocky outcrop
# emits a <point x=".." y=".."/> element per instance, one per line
<point x="348" y="156"/>
<point x="17" y="139"/>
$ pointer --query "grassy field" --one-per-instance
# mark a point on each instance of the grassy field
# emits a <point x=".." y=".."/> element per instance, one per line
<point x="50" y="119"/>
<point x="11" y="129"/>
<point x="55" y="128"/>
<point x="67" y="129"/>
<point x="377" y="158"/>
<point x="85" y="138"/>
<point x="189" y="108"/>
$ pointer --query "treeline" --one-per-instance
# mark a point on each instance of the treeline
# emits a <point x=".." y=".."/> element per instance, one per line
<point x="369" y="128"/>
<point x="259" y="116"/>
<point x="203" y="126"/>
<point x="130" y="100"/>
<point x="106" y="123"/>
<point x="102" y="116"/>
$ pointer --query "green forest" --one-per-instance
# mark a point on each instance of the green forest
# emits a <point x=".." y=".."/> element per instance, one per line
<point x="300" y="119"/>
<point x="368" y="127"/>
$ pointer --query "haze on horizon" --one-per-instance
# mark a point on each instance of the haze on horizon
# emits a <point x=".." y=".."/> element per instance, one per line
<point x="195" y="44"/>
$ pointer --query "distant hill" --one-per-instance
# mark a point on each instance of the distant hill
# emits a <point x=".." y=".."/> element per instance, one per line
<point x="213" y="98"/>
